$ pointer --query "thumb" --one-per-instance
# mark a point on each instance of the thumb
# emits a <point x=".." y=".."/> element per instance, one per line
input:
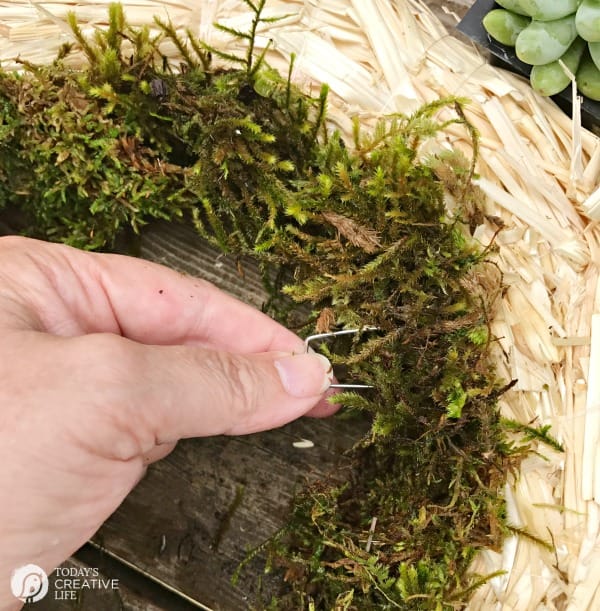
<point x="201" y="392"/>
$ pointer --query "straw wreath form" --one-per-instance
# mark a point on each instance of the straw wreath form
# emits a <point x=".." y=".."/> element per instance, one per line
<point x="541" y="173"/>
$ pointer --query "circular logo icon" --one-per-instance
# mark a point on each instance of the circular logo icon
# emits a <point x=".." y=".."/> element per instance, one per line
<point x="29" y="583"/>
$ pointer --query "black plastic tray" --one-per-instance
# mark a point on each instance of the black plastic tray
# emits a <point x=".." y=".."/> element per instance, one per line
<point x="504" y="57"/>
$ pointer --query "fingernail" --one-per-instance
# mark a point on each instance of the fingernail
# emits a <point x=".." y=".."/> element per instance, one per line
<point x="304" y="375"/>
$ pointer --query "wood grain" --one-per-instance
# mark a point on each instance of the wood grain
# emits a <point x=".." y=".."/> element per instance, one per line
<point x="177" y="526"/>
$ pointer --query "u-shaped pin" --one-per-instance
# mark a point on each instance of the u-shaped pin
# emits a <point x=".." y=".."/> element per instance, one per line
<point x="318" y="336"/>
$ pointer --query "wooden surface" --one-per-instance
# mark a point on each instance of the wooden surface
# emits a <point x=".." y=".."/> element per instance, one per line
<point x="179" y="536"/>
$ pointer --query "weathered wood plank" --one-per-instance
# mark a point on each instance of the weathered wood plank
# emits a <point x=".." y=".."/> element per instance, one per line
<point x="177" y="525"/>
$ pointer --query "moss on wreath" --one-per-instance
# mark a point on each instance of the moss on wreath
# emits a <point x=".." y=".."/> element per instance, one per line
<point x="84" y="154"/>
<point x="363" y="230"/>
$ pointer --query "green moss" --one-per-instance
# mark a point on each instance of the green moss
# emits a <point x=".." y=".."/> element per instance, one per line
<point x="363" y="230"/>
<point x="86" y="153"/>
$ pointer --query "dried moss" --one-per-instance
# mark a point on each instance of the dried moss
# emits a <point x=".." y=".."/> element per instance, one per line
<point x="363" y="230"/>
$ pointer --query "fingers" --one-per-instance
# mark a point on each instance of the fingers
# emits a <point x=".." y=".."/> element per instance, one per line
<point x="201" y="363"/>
<point x="69" y="292"/>
<point x="158" y="452"/>
<point x="224" y="393"/>
<point x="155" y="305"/>
<point x="146" y="396"/>
<point x="123" y="400"/>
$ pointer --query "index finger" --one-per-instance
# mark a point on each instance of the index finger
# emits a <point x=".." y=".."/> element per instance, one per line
<point x="157" y="305"/>
<point x="64" y="291"/>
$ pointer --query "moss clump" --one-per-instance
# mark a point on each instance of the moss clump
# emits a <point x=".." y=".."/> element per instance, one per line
<point x="378" y="249"/>
<point x="85" y="154"/>
<point x="362" y="229"/>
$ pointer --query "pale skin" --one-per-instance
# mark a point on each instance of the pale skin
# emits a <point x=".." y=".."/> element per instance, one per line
<point x="105" y="363"/>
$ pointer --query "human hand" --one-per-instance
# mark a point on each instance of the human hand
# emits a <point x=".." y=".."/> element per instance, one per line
<point x="105" y="363"/>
